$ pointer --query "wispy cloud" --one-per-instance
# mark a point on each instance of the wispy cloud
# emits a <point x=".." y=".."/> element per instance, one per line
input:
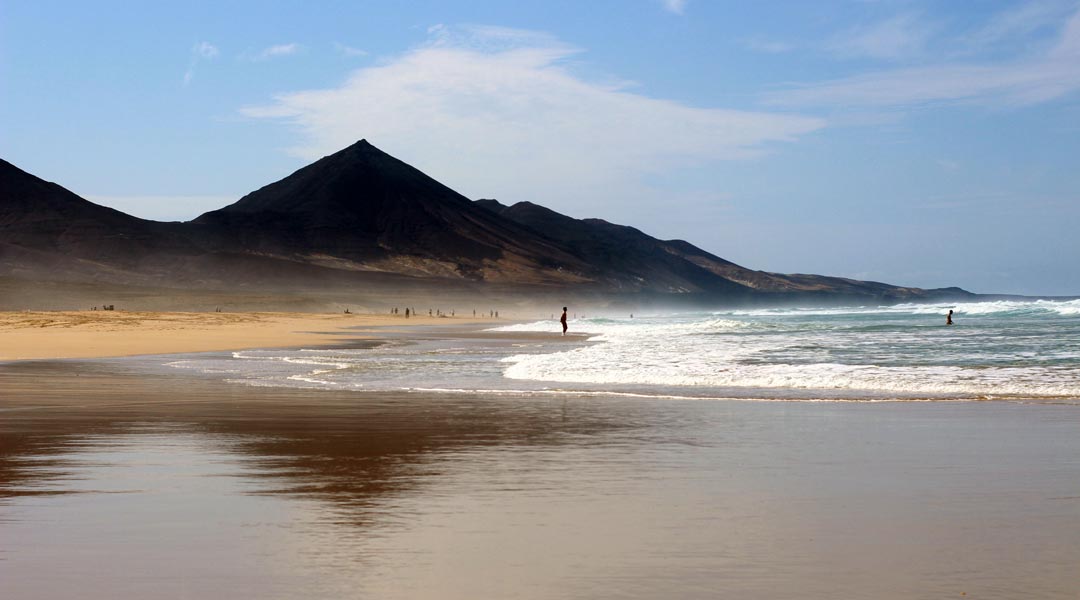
<point x="205" y="50"/>
<point x="899" y="37"/>
<point x="1030" y="80"/>
<point x="1017" y="23"/>
<point x="677" y="7"/>
<point x="349" y="51"/>
<point x="767" y="46"/>
<point x="499" y="112"/>
<point x="948" y="164"/>
<point x="199" y="52"/>
<point x="276" y="51"/>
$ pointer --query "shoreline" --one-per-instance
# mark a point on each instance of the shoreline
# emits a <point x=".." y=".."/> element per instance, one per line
<point x="63" y="336"/>
<point x="43" y="335"/>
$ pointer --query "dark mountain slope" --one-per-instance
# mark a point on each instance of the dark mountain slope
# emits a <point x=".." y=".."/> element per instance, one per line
<point x="627" y="259"/>
<point x="39" y="218"/>
<point x="624" y="252"/>
<point x="43" y="216"/>
<point x="368" y="210"/>
<point x="48" y="232"/>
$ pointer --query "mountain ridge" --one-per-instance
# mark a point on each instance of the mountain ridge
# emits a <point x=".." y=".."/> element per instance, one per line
<point x="361" y="213"/>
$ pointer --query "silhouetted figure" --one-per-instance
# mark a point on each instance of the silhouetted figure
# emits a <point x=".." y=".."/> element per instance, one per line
<point x="406" y="313"/>
<point x="562" y="320"/>
<point x="948" y="318"/>
<point x="347" y="311"/>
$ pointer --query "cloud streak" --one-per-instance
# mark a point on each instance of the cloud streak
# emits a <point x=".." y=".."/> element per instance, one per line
<point x="897" y="38"/>
<point x="1017" y="23"/>
<point x="1050" y="75"/>
<point x="677" y="7"/>
<point x="766" y="45"/>
<point x="199" y="52"/>
<point x="497" y="111"/>
<point x="277" y="51"/>
<point x="349" y="51"/>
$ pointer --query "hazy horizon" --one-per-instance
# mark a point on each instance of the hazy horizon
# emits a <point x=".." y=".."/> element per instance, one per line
<point x="917" y="143"/>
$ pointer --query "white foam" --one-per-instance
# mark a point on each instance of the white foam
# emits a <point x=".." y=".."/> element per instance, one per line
<point x="1059" y="307"/>
<point x="762" y="349"/>
<point x="567" y="367"/>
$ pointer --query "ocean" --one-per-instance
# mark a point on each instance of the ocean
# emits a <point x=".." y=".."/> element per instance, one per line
<point x="1000" y="350"/>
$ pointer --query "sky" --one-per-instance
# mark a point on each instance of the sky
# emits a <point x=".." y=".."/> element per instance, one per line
<point x="920" y="143"/>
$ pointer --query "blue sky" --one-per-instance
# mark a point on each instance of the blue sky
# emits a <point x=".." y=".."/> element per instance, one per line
<point x="914" y="142"/>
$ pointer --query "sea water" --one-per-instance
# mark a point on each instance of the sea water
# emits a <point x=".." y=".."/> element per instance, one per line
<point x="995" y="350"/>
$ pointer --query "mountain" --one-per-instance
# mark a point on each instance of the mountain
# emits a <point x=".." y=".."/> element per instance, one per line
<point x="363" y="209"/>
<point x="42" y="215"/>
<point x="630" y="256"/>
<point x="361" y="217"/>
<point x="624" y="258"/>
<point x="50" y="233"/>
<point x="45" y="226"/>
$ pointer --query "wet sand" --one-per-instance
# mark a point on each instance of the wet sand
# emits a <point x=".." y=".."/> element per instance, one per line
<point x="118" y="484"/>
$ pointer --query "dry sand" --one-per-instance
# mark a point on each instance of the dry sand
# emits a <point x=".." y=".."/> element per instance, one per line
<point x="86" y="334"/>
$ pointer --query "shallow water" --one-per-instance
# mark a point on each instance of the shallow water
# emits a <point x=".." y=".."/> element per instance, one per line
<point x="152" y="486"/>
<point x="995" y="350"/>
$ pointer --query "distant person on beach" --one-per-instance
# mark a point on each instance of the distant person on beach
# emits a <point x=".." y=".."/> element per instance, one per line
<point x="562" y="320"/>
<point x="948" y="318"/>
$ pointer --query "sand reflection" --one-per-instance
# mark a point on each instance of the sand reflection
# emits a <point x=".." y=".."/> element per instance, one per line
<point x="158" y="486"/>
<point x="198" y="487"/>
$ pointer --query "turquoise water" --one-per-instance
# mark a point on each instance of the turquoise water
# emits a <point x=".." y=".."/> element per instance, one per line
<point x="995" y="350"/>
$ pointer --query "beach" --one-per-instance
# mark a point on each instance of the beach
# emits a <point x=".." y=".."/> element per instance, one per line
<point x="180" y="476"/>
<point x="101" y="333"/>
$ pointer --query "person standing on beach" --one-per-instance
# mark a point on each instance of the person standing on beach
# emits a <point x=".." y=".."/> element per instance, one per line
<point x="562" y="320"/>
<point x="948" y="318"/>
